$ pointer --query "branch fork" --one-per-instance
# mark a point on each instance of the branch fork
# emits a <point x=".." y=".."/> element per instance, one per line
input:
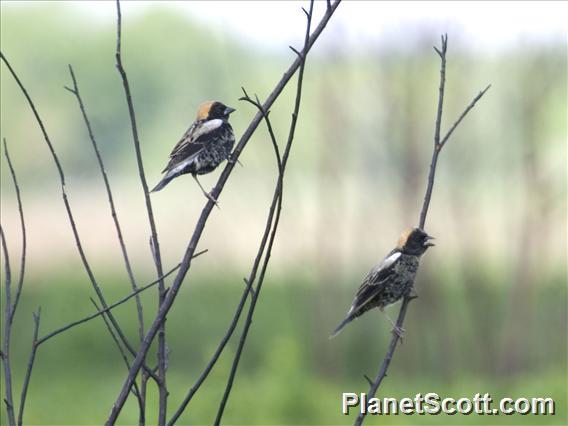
<point x="437" y="148"/>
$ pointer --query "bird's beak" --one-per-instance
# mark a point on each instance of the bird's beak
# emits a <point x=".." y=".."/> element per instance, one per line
<point x="229" y="110"/>
<point x="427" y="242"/>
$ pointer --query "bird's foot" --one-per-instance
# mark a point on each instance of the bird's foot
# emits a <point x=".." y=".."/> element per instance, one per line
<point x="233" y="159"/>
<point x="413" y="294"/>
<point x="211" y="198"/>
<point x="399" y="331"/>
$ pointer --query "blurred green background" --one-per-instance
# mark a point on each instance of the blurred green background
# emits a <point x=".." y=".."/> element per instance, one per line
<point x="492" y="311"/>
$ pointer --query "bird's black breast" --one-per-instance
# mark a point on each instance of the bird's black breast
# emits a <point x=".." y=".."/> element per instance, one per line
<point x="400" y="282"/>
<point x="216" y="150"/>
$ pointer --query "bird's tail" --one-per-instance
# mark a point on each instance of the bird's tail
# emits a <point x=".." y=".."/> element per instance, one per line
<point x="165" y="180"/>
<point x="343" y="323"/>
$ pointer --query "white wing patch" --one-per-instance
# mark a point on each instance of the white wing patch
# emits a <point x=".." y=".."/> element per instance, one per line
<point x="388" y="261"/>
<point x="206" y="127"/>
<point x="181" y="166"/>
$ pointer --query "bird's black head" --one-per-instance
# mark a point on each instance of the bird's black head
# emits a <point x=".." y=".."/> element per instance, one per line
<point x="414" y="241"/>
<point x="212" y="110"/>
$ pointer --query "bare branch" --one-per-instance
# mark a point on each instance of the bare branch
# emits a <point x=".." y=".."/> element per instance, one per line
<point x="200" y="226"/>
<point x="438" y="145"/>
<point x="388" y="357"/>
<point x="69" y="212"/>
<point x="105" y="310"/>
<point x="215" y="356"/>
<point x="265" y="115"/>
<point x="462" y="116"/>
<point x="140" y="392"/>
<point x="250" y="281"/>
<point x="135" y="389"/>
<point x="154" y="234"/>
<point x="10" y="307"/>
<point x="29" y="368"/>
<point x="275" y="209"/>
<point x="114" y="215"/>
<point x="20" y="284"/>
<point x="293" y="49"/>
<point x="7" y="331"/>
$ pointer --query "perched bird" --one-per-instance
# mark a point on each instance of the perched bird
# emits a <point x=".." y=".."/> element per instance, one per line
<point x="205" y="145"/>
<point x="393" y="278"/>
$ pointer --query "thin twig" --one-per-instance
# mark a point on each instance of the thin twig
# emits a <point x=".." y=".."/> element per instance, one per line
<point x="102" y="311"/>
<point x="69" y="212"/>
<point x="265" y="115"/>
<point x="388" y="357"/>
<point x="135" y="388"/>
<point x="462" y="116"/>
<point x="438" y="145"/>
<point x="7" y="332"/>
<point x="248" y="281"/>
<point x="163" y="394"/>
<point x="433" y="163"/>
<point x="200" y="226"/>
<point x="215" y="356"/>
<point x="10" y="307"/>
<point x="275" y="209"/>
<point x="29" y="368"/>
<point x="114" y="215"/>
<point x="20" y="284"/>
<point x="139" y="308"/>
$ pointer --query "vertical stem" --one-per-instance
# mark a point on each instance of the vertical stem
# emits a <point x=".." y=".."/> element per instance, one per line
<point x="202" y="221"/>
<point x="10" y="307"/>
<point x="429" y="188"/>
<point x="276" y="204"/>
<point x="387" y="360"/>
<point x="69" y="212"/>
<point x="20" y="284"/>
<point x="437" y="129"/>
<point x="438" y="145"/>
<point x="110" y="197"/>
<point x="7" y="332"/>
<point x="155" y="246"/>
<point x="29" y="368"/>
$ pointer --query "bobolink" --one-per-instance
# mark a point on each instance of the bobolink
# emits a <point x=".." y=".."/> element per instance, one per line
<point x="391" y="279"/>
<point x="205" y="145"/>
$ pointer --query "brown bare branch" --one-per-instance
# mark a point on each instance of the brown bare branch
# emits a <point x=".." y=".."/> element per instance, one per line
<point x="7" y="331"/>
<point x="29" y="368"/>
<point x="69" y="212"/>
<point x="110" y="197"/>
<point x="20" y="284"/>
<point x="438" y="145"/>
<point x="163" y="394"/>
<point x="200" y="226"/>
<point x="274" y="211"/>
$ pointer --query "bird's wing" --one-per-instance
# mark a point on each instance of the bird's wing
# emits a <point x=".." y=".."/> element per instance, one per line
<point x="374" y="282"/>
<point x="192" y="142"/>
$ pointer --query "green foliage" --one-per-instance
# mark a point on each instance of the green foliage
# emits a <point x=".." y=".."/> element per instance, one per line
<point x="291" y="372"/>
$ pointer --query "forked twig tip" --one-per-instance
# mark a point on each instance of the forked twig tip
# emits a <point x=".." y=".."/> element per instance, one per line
<point x="295" y="51"/>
